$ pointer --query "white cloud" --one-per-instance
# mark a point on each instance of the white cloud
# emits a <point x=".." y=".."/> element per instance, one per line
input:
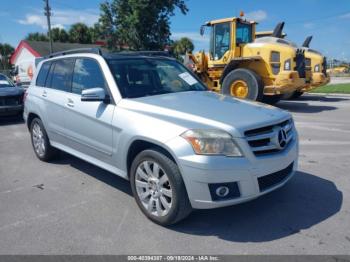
<point x="345" y="16"/>
<point x="61" y="18"/>
<point x="258" y="15"/>
<point x="309" y="25"/>
<point x="194" y="36"/>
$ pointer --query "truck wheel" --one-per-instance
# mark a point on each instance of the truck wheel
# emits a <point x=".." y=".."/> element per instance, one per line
<point x="40" y="141"/>
<point x="158" y="188"/>
<point x="243" y="83"/>
<point x="271" y="100"/>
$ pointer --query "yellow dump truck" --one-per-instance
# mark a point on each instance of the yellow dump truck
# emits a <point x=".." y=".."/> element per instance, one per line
<point x="315" y="63"/>
<point x="236" y="65"/>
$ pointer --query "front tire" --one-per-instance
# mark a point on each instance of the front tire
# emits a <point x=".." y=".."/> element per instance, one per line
<point x="40" y="141"/>
<point x="158" y="188"/>
<point x="243" y="83"/>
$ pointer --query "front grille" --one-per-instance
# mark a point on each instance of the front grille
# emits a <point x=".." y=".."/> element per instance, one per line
<point x="10" y="101"/>
<point x="266" y="140"/>
<point x="271" y="180"/>
<point x="300" y="63"/>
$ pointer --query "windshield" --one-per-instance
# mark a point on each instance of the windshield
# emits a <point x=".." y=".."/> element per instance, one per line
<point x="243" y="33"/>
<point x="5" y="82"/>
<point x="220" y="42"/>
<point x="140" y="77"/>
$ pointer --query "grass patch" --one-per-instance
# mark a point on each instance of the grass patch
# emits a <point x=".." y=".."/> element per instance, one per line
<point x="338" y="88"/>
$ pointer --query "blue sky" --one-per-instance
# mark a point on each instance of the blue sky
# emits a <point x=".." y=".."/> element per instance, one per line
<point x="328" y="21"/>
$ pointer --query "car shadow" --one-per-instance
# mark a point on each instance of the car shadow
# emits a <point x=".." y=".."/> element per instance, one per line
<point x="302" y="203"/>
<point x="11" y="120"/>
<point x="321" y="98"/>
<point x="301" y="107"/>
<point x="94" y="171"/>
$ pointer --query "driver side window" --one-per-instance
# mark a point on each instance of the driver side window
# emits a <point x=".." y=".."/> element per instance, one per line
<point x="222" y="40"/>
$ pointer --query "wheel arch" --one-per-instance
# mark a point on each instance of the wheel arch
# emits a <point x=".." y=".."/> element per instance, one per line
<point x="31" y="117"/>
<point x="238" y="63"/>
<point x="141" y="144"/>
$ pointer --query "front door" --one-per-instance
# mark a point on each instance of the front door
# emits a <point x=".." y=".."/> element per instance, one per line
<point x="89" y="124"/>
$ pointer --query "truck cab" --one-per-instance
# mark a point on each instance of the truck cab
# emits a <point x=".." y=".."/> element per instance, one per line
<point x="265" y="70"/>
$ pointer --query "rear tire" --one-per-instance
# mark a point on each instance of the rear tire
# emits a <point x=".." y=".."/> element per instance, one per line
<point x="253" y="81"/>
<point x="40" y="141"/>
<point x="272" y="100"/>
<point x="158" y="188"/>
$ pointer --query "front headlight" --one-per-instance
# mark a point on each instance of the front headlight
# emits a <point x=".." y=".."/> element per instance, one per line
<point x="287" y="65"/>
<point x="212" y="142"/>
<point x="317" y="68"/>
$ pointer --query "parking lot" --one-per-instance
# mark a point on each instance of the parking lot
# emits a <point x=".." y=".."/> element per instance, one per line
<point x="72" y="207"/>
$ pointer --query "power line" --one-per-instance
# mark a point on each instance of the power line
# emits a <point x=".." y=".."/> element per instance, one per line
<point x="48" y="14"/>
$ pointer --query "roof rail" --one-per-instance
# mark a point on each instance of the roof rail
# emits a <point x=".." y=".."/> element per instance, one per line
<point x="145" y="53"/>
<point x="93" y="50"/>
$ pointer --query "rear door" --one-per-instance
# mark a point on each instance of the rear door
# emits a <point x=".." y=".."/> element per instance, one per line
<point x="58" y="85"/>
<point x="88" y="124"/>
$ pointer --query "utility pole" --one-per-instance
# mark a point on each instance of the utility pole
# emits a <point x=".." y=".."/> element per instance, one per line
<point x="47" y="12"/>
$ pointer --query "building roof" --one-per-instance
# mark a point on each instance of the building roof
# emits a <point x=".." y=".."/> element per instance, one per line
<point x="41" y="48"/>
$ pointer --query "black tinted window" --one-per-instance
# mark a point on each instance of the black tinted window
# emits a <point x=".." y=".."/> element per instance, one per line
<point x="62" y="75"/>
<point x="145" y="77"/>
<point x="44" y="70"/>
<point x="87" y="74"/>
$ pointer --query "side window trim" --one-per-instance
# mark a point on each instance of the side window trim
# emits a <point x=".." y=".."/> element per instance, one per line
<point x="106" y="87"/>
<point x="49" y="63"/>
<point x="48" y="81"/>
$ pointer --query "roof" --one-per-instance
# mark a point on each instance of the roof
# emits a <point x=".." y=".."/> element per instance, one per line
<point x="230" y="19"/>
<point x="41" y="48"/>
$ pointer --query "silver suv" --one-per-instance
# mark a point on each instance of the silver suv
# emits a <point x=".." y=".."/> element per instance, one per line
<point x="148" y="119"/>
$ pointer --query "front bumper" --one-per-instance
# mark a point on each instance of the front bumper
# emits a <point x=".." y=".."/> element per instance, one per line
<point x="285" y="82"/>
<point x="10" y="110"/>
<point x="318" y="79"/>
<point x="201" y="171"/>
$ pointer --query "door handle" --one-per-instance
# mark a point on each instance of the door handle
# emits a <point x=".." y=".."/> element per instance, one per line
<point x="70" y="103"/>
<point x="44" y="94"/>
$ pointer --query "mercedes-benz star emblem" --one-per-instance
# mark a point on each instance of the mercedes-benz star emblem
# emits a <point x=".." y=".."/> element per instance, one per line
<point x="282" y="138"/>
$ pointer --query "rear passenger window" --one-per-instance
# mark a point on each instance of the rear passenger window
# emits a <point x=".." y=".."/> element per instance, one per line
<point x="87" y="74"/>
<point x="62" y="75"/>
<point x="44" y="70"/>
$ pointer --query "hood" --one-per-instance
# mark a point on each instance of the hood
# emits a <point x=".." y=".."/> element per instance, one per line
<point x="204" y="109"/>
<point x="11" y="91"/>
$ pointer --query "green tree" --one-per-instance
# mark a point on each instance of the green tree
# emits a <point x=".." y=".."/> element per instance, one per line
<point x="6" y="51"/>
<point x="138" y="24"/>
<point x="80" y="33"/>
<point x="37" y="37"/>
<point x="59" y="35"/>
<point x="95" y="32"/>
<point x="181" y="47"/>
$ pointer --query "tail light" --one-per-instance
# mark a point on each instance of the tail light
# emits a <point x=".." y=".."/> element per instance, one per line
<point x="25" y="96"/>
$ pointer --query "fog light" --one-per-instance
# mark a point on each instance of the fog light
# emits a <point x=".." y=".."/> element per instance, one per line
<point x="222" y="191"/>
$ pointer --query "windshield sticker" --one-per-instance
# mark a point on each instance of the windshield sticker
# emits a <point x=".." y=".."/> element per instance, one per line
<point x="188" y="78"/>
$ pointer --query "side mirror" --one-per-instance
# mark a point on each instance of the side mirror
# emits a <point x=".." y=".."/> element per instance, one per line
<point x="95" y="95"/>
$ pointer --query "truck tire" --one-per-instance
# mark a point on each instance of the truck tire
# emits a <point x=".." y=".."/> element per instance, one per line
<point x="161" y="195"/>
<point x="271" y="100"/>
<point x="243" y="83"/>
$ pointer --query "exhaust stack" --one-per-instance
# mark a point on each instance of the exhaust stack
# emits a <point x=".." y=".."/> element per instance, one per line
<point x="277" y="32"/>
<point x="307" y="41"/>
